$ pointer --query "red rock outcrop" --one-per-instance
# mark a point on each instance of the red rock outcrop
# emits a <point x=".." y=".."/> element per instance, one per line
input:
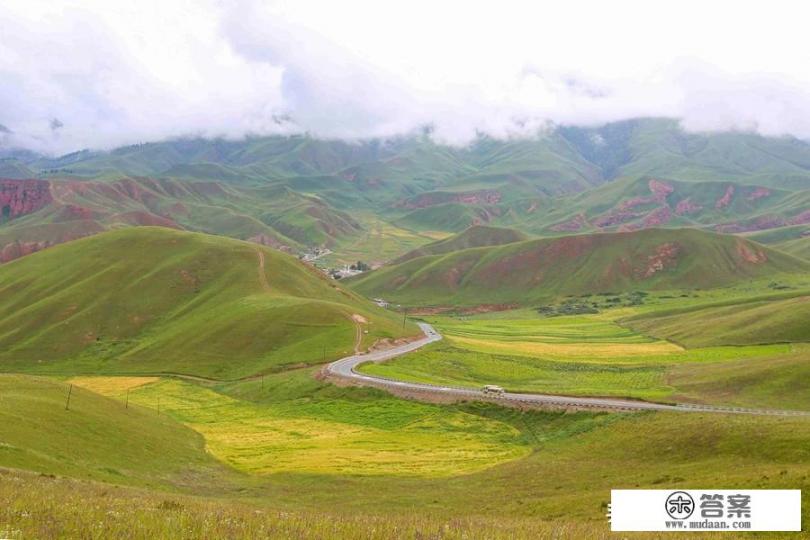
<point x="21" y="197"/>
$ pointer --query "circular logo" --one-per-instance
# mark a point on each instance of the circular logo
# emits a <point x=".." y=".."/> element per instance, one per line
<point x="680" y="505"/>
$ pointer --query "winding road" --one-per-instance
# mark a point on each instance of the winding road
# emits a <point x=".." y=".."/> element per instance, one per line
<point x="346" y="369"/>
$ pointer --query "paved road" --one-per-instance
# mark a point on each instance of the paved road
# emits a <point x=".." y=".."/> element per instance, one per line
<point x="345" y="368"/>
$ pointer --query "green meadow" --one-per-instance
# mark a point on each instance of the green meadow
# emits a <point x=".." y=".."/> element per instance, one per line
<point x="607" y="354"/>
<point x="175" y="461"/>
<point x="180" y="397"/>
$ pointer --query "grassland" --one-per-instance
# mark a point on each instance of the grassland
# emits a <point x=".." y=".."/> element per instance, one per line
<point x="594" y="355"/>
<point x="744" y="323"/>
<point x="475" y="236"/>
<point x="555" y="487"/>
<point x="384" y="436"/>
<point x="98" y="437"/>
<point x="46" y="508"/>
<point x="189" y="303"/>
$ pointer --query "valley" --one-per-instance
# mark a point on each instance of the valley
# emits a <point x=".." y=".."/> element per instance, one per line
<point x="173" y="344"/>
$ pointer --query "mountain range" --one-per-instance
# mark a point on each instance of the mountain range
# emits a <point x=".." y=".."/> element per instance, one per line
<point x="296" y="192"/>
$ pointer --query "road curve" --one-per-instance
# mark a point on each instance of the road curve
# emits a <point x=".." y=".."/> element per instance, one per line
<point x="346" y="368"/>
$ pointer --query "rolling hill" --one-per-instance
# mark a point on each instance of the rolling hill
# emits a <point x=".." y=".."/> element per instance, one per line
<point x="533" y="270"/>
<point x="42" y="213"/>
<point x="155" y="300"/>
<point x="98" y="438"/>
<point x="475" y="236"/>
<point x="637" y="203"/>
<point x="758" y="320"/>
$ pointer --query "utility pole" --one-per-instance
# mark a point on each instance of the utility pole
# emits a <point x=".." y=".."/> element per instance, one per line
<point x="404" y="316"/>
<point x="126" y="406"/>
<point x="67" y="403"/>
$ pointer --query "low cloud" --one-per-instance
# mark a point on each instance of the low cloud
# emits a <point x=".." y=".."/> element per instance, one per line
<point x="89" y="74"/>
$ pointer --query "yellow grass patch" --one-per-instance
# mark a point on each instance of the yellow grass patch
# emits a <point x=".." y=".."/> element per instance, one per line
<point x="265" y="439"/>
<point x="112" y="386"/>
<point x="268" y="445"/>
<point x="567" y="350"/>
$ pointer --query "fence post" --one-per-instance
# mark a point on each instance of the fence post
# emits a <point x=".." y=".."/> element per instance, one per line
<point x="67" y="403"/>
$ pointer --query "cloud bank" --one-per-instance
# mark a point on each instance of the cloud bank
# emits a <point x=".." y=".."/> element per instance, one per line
<point x="99" y="74"/>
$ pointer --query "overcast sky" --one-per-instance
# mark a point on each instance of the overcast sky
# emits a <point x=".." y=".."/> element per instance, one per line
<point x="98" y="74"/>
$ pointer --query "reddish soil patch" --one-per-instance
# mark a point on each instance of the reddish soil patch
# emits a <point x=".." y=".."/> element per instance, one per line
<point x="686" y="206"/>
<point x="724" y="201"/>
<point x="660" y="190"/>
<point x="21" y="197"/>
<point x="750" y="254"/>
<point x="657" y="217"/>
<point x="665" y="256"/>
<point x="574" y="224"/>
<point x="758" y="193"/>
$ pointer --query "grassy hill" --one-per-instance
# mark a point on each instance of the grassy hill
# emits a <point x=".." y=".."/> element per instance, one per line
<point x="98" y="438"/>
<point x="475" y="236"/>
<point x="643" y="202"/>
<point x="155" y="300"/>
<point x="533" y="270"/>
<point x="746" y="323"/>
<point x="800" y="247"/>
<point x="272" y="215"/>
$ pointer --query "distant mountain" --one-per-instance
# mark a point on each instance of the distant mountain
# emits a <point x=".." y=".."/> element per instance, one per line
<point x="621" y="176"/>
<point x="636" y="203"/>
<point x="40" y="213"/>
<point x="546" y="268"/>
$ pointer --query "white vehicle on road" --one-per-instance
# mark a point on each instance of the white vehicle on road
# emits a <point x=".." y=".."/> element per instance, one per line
<point x="492" y="390"/>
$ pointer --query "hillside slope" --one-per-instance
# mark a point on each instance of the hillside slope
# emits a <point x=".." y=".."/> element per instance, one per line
<point x="528" y="271"/>
<point x="636" y="203"/>
<point x="35" y="214"/>
<point x="97" y="438"/>
<point x="475" y="236"/>
<point x="753" y="322"/>
<point x="155" y="300"/>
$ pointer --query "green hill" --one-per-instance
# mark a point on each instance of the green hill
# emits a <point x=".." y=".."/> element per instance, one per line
<point x="155" y="300"/>
<point x="475" y="236"/>
<point x="749" y="323"/>
<point x="644" y="202"/>
<point x="98" y="438"/>
<point x="533" y="270"/>
<point x="799" y="247"/>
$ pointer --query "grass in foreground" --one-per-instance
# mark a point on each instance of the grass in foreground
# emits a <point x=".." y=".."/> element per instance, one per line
<point x="33" y="506"/>
<point x="558" y="489"/>
<point x="97" y="437"/>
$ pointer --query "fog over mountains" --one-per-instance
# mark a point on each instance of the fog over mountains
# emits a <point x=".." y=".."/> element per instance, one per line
<point x="91" y="74"/>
